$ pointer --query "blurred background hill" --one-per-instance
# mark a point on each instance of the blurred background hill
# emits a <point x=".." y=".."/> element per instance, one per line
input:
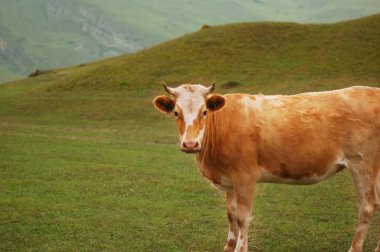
<point x="44" y="34"/>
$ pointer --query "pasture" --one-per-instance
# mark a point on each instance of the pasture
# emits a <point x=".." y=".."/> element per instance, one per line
<point x="87" y="164"/>
<point x="121" y="184"/>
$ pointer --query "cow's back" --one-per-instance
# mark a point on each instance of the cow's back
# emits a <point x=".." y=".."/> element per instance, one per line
<point x="295" y="120"/>
<point x="364" y="102"/>
<point x="316" y="130"/>
<point x="336" y="111"/>
<point x="290" y="133"/>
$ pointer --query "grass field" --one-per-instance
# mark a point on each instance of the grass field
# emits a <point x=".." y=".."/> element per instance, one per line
<point x="114" y="188"/>
<point x="86" y="163"/>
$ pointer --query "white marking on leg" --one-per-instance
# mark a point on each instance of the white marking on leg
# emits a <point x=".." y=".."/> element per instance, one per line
<point x="239" y="243"/>
<point x="368" y="208"/>
<point x="231" y="236"/>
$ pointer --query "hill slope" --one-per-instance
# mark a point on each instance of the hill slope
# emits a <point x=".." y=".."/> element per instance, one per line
<point x="259" y="57"/>
<point x="50" y="33"/>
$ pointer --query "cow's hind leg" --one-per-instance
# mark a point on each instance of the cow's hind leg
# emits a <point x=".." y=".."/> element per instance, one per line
<point x="366" y="210"/>
<point x="232" y="218"/>
<point x="378" y="238"/>
<point x="364" y="177"/>
<point x="378" y="206"/>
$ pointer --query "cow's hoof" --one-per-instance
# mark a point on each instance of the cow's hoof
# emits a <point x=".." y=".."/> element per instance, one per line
<point x="230" y="246"/>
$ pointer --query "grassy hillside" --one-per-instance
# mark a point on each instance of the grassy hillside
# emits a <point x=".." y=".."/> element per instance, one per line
<point x="289" y="57"/>
<point x="87" y="164"/>
<point x="51" y="33"/>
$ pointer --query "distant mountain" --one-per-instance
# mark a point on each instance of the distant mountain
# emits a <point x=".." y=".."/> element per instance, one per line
<point x="44" y="34"/>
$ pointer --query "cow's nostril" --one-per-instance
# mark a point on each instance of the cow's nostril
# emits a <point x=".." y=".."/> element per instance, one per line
<point x="190" y="145"/>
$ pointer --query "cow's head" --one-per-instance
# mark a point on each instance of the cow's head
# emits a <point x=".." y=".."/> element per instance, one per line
<point x="190" y="105"/>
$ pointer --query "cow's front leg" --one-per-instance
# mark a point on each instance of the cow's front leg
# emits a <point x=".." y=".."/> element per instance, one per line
<point x="233" y="231"/>
<point x="244" y="188"/>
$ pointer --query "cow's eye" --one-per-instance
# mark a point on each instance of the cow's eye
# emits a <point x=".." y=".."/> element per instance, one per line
<point x="205" y="113"/>
<point x="175" y="113"/>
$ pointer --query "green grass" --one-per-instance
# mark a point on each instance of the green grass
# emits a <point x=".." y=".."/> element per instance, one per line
<point x="114" y="188"/>
<point x="86" y="163"/>
<point x="99" y="187"/>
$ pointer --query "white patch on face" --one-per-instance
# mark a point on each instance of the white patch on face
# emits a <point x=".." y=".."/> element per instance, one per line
<point x="239" y="243"/>
<point x="191" y="103"/>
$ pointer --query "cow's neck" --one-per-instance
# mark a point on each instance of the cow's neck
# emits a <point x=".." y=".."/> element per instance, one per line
<point x="212" y="139"/>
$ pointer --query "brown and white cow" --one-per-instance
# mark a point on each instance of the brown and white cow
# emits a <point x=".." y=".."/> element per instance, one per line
<point x="241" y="139"/>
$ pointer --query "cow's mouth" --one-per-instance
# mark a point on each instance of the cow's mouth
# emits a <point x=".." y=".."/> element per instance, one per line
<point x="189" y="151"/>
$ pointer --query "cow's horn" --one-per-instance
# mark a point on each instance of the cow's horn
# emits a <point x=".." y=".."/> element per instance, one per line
<point x="211" y="88"/>
<point x="168" y="89"/>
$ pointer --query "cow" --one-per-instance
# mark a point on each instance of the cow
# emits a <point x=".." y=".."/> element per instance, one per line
<point x="241" y="139"/>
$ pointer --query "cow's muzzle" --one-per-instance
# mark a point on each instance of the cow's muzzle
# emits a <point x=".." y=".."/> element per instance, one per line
<point x="190" y="146"/>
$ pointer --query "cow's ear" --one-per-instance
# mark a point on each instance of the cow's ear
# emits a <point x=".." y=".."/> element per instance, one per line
<point x="163" y="104"/>
<point x="215" y="102"/>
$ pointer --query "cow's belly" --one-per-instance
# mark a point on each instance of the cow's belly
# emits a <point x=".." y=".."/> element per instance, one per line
<point x="305" y="176"/>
